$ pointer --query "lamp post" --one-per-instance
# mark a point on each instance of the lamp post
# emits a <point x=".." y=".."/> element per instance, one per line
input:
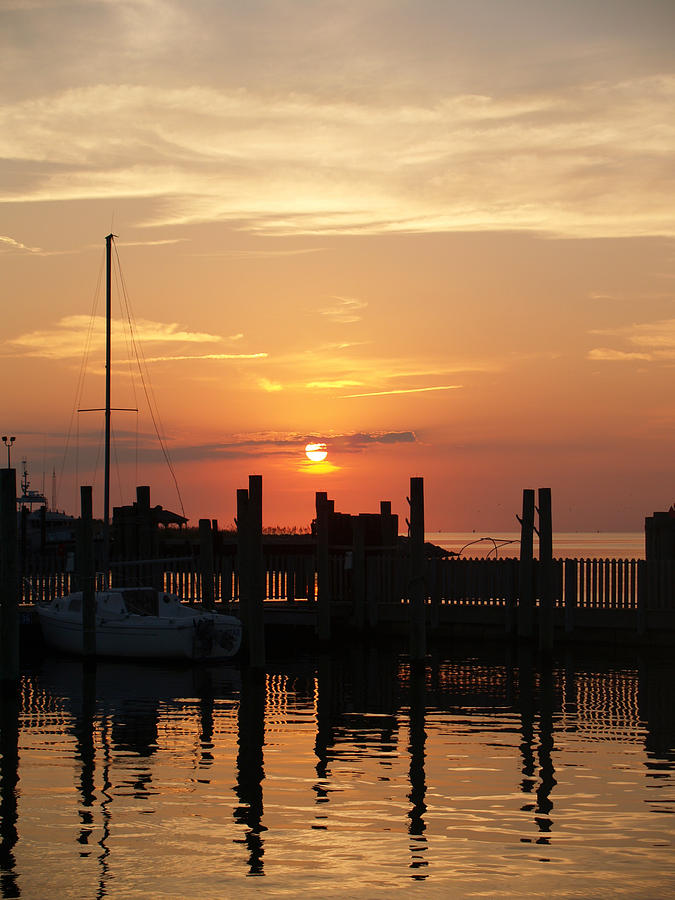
<point x="8" y="441"/>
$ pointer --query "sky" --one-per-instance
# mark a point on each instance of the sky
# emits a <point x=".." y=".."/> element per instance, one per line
<point x="436" y="236"/>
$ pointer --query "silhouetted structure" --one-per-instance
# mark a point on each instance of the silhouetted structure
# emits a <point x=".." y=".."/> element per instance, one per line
<point x="660" y="535"/>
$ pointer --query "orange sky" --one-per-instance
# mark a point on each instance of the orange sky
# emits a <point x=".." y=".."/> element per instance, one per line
<point x="438" y="237"/>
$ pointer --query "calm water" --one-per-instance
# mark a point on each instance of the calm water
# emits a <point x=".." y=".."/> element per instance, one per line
<point x="573" y="544"/>
<point x="341" y="776"/>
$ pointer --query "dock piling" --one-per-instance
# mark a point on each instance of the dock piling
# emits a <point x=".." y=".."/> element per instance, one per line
<point x="9" y="579"/>
<point x="545" y="572"/>
<point x="206" y="562"/>
<point x="526" y="595"/>
<point x="417" y="588"/>
<point x="256" y="618"/>
<point x="322" y="566"/>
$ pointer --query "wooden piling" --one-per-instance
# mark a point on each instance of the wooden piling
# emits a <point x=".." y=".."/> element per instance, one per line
<point x="545" y="572"/>
<point x="359" y="573"/>
<point x="206" y="565"/>
<point x="87" y="572"/>
<point x="642" y="596"/>
<point x="256" y="573"/>
<point x="9" y="579"/>
<point x="322" y="567"/>
<point x="416" y="589"/>
<point x="526" y="596"/>
<point x="242" y="559"/>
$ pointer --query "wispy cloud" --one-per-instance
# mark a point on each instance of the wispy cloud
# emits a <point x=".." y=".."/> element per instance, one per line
<point x="260" y="254"/>
<point x="8" y="243"/>
<point x="567" y="162"/>
<point x="337" y="384"/>
<point x="271" y="387"/>
<point x="646" y="341"/>
<point x="419" y="390"/>
<point x="158" y="243"/>
<point x="344" y="310"/>
<point x="154" y="359"/>
<point x="67" y="339"/>
<point x="606" y="354"/>
<point x="282" y="445"/>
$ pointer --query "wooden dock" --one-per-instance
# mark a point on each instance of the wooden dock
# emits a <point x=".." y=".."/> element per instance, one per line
<point x="355" y="573"/>
<point x="626" y="599"/>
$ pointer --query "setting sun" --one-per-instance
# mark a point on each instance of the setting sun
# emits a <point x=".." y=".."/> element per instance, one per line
<point x="316" y="452"/>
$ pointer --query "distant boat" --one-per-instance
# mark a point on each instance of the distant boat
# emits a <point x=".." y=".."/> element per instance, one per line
<point x="136" y="622"/>
<point x="141" y="623"/>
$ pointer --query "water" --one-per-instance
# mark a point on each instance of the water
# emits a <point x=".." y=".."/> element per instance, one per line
<point x="566" y="545"/>
<point x="341" y="776"/>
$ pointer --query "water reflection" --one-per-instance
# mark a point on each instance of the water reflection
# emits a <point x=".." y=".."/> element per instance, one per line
<point x="355" y="757"/>
<point x="9" y="779"/>
<point x="418" y="788"/>
<point x="250" y="767"/>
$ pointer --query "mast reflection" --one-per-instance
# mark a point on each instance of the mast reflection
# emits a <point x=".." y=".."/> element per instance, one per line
<point x="9" y="779"/>
<point x="85" y="751"/>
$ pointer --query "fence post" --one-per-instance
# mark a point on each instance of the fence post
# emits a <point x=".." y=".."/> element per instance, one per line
<point x="642" y="596"/>
<point x="242" y="559"/>
<point x="359" y="573"/>
<point x="545" y="572"/>
<point x="87" y="572"/>
<point x="9" y="579"/>
<point x="570" y="594"/>
<point x="526" y="599"/>
<point x="322" y="566"/>
<point x="416" y="589"/>
<point x="257" y="573"/>
<point x="206" y="562"/>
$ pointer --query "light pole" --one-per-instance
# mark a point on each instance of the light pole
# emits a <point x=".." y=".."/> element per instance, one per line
<point x="8" y="441"/>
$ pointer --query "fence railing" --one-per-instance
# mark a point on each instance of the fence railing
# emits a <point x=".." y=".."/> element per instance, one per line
<point x="585" y="584"/>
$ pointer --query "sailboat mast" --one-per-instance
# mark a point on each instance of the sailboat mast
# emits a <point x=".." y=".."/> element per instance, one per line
<point x="106" y="487"/>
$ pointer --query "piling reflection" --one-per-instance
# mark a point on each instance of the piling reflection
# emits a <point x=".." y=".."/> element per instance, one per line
<point x="9" y="780"/>
<point x="85" y="751"/>
<point x="206" y="693"/>
<point x="364" y="737"/>
<point x="418" y="788"/>
<point x="324" y="731"/>
<point x="541" y="804"/>
<point x="526" y="702"/>
<point x="250" y="767"/>
<point x="545" y="754"/>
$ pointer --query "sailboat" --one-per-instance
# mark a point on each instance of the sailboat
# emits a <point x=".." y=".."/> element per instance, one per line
<point x="135" y="622"/>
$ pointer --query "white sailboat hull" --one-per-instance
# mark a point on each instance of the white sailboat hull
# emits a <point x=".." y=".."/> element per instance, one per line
<point x="176" y="632"/>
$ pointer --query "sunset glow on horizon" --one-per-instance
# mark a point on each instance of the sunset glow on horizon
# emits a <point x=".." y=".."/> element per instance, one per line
<point x="433" y="239"/>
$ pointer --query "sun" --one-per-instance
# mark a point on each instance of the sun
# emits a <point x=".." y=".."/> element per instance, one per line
<point x="316" y="452"/>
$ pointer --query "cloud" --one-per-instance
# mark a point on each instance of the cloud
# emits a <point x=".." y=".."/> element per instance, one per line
<point x="344" y="310"/>
<point x="271" y="387"/>
<point x="419" y="390"/>
<point x="154" y="359"/>
<point x="606" y="354"/>
<point x="565" y="162"/>
<point x="362" y="440"/>
<point x="332" y="385"/>
<point x="67" y="338"/>
<point x="157" y="243"/>
<point x="646" y="341"/>
<point x="8" y="243"/>
<point x="275" y="445"/>
<point x="260" y="254"/>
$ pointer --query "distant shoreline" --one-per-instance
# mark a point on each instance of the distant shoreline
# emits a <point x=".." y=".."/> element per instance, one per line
<point x="572" y="544"/>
